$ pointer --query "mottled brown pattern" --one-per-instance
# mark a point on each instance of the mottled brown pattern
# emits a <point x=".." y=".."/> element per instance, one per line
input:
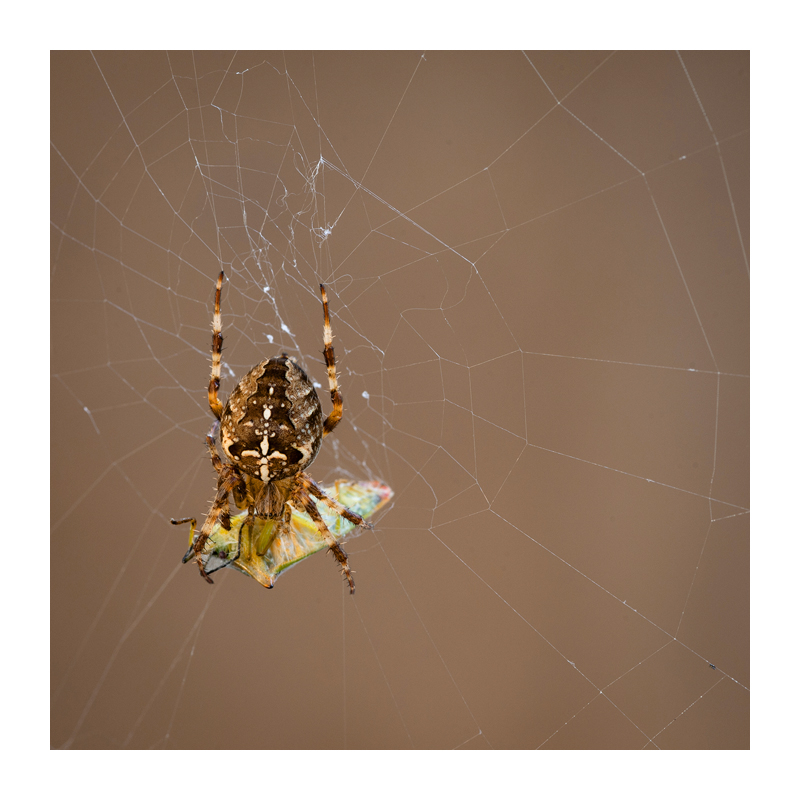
<point x="271" y="426"/>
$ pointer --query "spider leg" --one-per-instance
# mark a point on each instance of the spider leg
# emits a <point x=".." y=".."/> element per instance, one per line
<point x="330" y="361"/>
<point x="220" y="512"/>
<point x="339" y="554"/>
<point x="313" y="488"/>
<point x="216" y="352"/>
<point x="211" y="444"/>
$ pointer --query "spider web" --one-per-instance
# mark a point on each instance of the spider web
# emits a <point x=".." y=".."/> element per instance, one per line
<point x="539" y="275"/>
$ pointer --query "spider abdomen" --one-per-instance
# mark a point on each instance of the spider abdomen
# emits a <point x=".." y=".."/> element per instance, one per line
<point x="271" y="426"/>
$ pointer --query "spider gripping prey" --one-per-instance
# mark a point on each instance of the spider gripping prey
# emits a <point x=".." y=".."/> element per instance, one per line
<point x="270" y="429"/>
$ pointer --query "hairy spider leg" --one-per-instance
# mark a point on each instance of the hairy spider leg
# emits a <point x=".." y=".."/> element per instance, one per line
<point x="330" y="361"/>
<point x="300" y="497"/>
<point x="228" y="479"/>
<point x="216" y="352"/>
<point x="312" y="488"/>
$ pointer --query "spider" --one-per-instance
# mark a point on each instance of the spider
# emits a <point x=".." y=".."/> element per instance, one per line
<point x="270" y="429"/>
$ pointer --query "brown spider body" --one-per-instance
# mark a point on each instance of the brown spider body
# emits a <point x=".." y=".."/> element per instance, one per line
<point x="271" y="429"/>
<point x="271" y="426"/>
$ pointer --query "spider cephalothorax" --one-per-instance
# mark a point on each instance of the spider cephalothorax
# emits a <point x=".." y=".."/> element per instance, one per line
<point x="270" y="429"/>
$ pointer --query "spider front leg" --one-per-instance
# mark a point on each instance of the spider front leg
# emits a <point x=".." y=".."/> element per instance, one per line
<point x="216" y="352"/>
<point x="335" y="416"/>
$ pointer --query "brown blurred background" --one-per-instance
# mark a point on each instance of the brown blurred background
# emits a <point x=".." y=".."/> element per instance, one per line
<point x="538" y="268"/>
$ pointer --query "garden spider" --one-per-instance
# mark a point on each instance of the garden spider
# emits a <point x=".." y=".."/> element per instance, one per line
<point x="270" y="429"/>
